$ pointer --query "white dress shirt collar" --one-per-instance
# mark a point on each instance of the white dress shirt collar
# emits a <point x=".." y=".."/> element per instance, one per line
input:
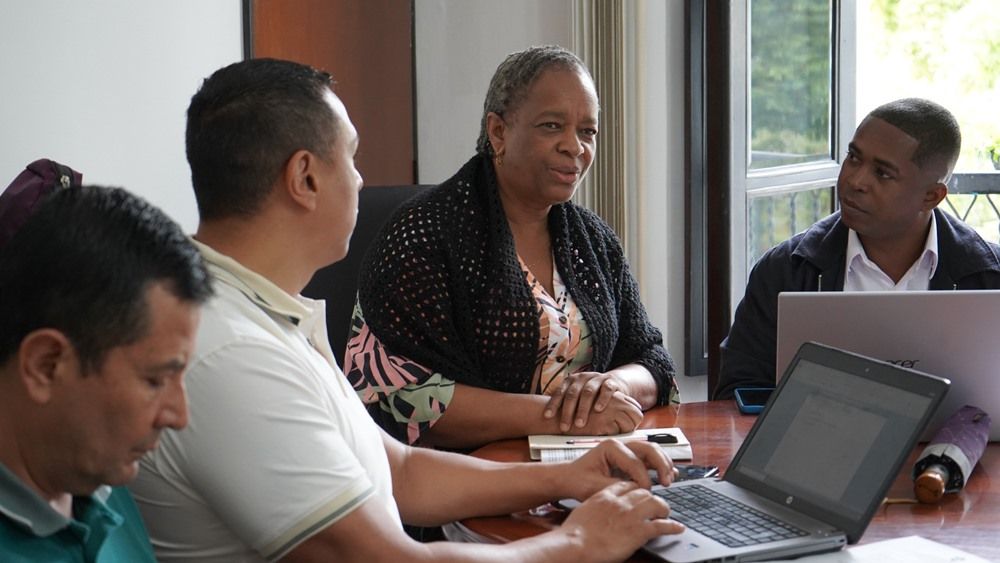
<point x="861" y="274"/>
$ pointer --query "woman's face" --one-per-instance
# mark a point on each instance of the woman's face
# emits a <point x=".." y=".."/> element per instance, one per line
<point x="548" y="141"/>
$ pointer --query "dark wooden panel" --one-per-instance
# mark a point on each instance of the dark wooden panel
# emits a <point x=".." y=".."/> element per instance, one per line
<point x="367" y="47"/>
<point x="717" y="185"/>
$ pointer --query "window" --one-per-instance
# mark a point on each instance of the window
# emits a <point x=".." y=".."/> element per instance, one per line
<point x="785" y="90"/>
<point x="776" y="139"/>
<point x="778" y="88"/>
<point x="789" y="117"/>
<point x="790" y="79"/>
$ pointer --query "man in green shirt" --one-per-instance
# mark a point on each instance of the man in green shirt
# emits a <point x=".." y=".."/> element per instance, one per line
<point x="100" y="296"/>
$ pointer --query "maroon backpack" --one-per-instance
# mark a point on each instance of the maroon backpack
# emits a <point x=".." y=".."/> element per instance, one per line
<point x="22" y="196"/>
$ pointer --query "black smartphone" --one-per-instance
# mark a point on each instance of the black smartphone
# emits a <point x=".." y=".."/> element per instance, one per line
<point x="688" y="471"/>
<point x="751" y="400"/>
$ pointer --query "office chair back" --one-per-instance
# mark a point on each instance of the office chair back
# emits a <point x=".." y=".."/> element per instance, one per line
<point x="337" y="283"/>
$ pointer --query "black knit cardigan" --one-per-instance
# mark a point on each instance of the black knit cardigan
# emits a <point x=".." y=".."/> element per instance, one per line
<point x="442" y="286"/>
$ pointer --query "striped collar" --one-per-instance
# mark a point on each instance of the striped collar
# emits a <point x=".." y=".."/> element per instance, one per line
<point x="256" y="287"/>
<point x="28" y="510"/>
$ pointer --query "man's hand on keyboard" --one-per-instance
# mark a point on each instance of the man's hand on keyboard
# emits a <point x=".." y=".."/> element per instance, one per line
<point x="618" y="520"/>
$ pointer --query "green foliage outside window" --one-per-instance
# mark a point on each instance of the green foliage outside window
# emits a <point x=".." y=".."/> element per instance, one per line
<point x="790" y="113"/>
<point x="948" y="51"/>
<point x="945" y="50"/>
<point x="790" y="79"/>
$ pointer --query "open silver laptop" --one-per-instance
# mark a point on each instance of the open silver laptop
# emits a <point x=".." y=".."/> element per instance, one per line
<point x="947" y="333"/>
<point x="814" y="467"/>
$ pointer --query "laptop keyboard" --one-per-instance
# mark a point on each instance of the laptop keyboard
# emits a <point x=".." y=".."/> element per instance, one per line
<point x="723" y="519"/>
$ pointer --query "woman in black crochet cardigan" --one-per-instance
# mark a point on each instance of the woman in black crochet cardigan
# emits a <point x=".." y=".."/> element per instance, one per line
<point x="491" y="306"/>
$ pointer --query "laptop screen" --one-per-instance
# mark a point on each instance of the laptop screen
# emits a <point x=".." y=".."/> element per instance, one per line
<point x="832" y="439"/>
<point x="936" y="332"/>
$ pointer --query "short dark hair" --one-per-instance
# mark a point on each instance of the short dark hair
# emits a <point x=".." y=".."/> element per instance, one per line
<point x="513" y="78"/>
<point x="934" y="127"/>
<point x="245" y="122"/>
<point x="82" y="264"/>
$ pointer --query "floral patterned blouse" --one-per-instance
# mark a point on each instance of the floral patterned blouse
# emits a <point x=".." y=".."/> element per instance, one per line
<point x="413" y="397"/>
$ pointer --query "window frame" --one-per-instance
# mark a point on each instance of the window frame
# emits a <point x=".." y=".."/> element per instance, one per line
<point x="719" y="181"/>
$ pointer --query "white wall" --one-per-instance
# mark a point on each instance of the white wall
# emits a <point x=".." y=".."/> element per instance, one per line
<point x="658" y="121"/>
<point x="459" y="43"/>
<point x="103" y="86"/>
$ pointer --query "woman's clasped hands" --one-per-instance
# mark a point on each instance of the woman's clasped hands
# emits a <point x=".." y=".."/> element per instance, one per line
<point x="594" y="403"/>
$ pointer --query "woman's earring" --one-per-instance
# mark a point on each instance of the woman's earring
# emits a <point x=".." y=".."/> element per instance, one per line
<point x="499" y="158"/>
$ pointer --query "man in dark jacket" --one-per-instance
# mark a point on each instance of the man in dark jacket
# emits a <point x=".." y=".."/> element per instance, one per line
<point x="887" y="235"/>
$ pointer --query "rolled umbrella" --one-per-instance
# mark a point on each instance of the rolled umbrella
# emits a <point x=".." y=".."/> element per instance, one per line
<point x="946" y="463"/>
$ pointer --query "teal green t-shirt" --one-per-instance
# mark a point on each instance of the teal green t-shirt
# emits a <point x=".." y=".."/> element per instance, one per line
<point x="106" y="527"/>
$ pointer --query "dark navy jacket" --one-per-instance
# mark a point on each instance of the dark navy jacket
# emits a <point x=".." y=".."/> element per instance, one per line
<point x="813" y="260"/>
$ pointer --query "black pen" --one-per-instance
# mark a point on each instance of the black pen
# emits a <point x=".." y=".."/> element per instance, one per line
<point x="661" y="438"/>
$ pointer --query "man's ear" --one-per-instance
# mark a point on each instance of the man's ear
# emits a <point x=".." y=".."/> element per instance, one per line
<point x="934" y="195"/>
<point x="45" y="357"/>
<point x="496" y="129"/>
<point x="299" y="179"/>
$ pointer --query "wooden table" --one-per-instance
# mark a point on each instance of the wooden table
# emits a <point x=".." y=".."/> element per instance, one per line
<point x="969" y="520"/>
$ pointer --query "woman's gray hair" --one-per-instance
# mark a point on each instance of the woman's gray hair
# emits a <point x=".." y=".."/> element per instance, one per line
<point x="514" y="76"/>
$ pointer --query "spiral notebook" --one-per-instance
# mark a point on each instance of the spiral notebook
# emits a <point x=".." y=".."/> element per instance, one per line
<point x="561" y="447"/>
